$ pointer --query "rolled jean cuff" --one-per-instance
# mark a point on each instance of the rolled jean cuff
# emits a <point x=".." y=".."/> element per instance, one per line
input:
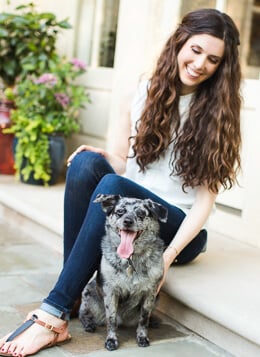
<point x="54" y="311"/>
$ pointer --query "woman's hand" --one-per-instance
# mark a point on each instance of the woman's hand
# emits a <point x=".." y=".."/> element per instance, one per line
<point x="86" y="148"/>
<point x="116" y="161"/>
<point x="169" y="256"/>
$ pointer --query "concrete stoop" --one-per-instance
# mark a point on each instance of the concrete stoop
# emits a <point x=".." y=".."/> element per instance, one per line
<point x="217" y="296"/>
<point x="214" y="332"/>
<point x="36" y="210"/>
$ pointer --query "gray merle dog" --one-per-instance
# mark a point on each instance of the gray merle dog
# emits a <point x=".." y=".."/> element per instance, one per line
<point x="125" y="287"/>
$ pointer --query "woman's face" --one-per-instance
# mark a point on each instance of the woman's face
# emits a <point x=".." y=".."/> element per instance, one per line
<point x="198" y="59"/>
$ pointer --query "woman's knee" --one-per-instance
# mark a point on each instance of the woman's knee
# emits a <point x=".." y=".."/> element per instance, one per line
<point x="86" y="164"/>
<point x="112" y="184"/>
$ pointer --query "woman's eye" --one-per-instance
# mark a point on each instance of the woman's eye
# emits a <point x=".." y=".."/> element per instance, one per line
<point x="213" y="60"/>
<point x="195" y="50"/>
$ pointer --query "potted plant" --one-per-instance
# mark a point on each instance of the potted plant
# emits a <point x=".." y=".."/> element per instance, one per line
<point x="28" y="42"/>
<point x="47" y="110"/>
<point x="27" y="45"/>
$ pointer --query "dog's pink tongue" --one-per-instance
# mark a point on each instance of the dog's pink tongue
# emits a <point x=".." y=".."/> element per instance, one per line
<point x="125" y="248"/>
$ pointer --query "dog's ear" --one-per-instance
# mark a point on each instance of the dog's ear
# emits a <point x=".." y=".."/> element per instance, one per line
<point x="108" y="202"/>
<point x="158" y="211"/>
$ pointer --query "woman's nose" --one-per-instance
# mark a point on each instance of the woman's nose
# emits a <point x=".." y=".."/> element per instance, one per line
<point x="200" y="62"/>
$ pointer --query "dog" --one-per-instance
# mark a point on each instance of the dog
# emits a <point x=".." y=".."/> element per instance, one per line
<point x="124" y="290"/>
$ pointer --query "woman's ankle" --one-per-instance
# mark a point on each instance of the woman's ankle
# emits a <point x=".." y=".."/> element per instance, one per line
<point x="52" y="310"/>
<point x="46" y="317"/>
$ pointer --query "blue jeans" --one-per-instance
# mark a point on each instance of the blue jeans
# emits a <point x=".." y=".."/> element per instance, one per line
<point x="88" y="175"/>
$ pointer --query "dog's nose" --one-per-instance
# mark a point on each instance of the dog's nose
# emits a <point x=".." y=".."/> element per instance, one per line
<point x="128" y="221"/>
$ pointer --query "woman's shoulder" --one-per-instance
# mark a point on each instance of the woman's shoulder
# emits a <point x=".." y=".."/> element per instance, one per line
<point x="138" y="101"/>
<point x="141" y="93"/>
<point x="144" y="85"/>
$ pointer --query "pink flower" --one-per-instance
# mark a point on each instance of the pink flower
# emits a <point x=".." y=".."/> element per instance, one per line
<point x="62" y="98"/>
<point x="78" y="63"/>
<point x="47" y="78"/>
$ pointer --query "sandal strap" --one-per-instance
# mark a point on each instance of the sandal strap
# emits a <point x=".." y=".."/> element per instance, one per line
<point x="57" y="330"/>
<point x="20" y="329"/>
<point x="30" y="322"/>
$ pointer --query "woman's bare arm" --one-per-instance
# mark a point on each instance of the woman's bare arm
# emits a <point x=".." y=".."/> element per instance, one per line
<point x="190" y="227"/>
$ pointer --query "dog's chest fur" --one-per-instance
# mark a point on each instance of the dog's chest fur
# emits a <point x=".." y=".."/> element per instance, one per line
<point x="145" y="267"/>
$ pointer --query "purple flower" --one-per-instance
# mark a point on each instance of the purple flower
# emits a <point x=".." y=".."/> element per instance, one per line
<point x="47" y="78"/>
<point x="78" y="63"/>
<point x="62" y="98"/>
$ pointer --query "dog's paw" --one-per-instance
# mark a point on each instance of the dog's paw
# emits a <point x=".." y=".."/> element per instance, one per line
<point x="89" y="326"/>
<point x="143" y="341"/>
<point x="111" y="344"/>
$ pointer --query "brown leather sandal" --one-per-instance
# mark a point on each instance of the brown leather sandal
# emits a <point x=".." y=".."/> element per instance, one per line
<point x="30" y="322"/>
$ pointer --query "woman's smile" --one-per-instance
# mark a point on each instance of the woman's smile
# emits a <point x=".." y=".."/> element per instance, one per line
<point x="191" y="72"/>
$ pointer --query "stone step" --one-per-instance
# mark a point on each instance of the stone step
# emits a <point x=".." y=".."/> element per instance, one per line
<point x="37" y="210"/>
<point x="218" y="295"/>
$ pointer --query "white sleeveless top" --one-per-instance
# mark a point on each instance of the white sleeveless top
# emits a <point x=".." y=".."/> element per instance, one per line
<point x="157" y="177"/>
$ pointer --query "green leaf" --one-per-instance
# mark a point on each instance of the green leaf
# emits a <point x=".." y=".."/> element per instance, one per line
<point x="3" y="32"/>
<point x="32" y="47"/>
<point x="64" y="24"/>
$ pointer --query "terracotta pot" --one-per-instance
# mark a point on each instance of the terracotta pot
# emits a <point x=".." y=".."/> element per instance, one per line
<point x="6" y="140"/>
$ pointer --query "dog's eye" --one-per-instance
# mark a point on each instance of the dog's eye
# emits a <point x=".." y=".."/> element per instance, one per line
<point x="140" y="213"/>
<point x="120" y="212"/>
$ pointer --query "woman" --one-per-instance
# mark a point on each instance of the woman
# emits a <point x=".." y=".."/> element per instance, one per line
<point x="184" y="131"/>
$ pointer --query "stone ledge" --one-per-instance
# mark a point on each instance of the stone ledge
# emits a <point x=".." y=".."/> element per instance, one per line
<point x="43" y="205"/>
<point x="221" y="285"/>
<point x="206" y="328"/>
<point x="37" y="210"/>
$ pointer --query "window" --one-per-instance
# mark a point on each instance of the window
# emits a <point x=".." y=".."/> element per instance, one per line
<point x="254" y="40"/>
<point x="96" y="32"/>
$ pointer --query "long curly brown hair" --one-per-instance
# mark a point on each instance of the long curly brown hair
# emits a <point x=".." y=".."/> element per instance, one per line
<point x="207" y="147"/>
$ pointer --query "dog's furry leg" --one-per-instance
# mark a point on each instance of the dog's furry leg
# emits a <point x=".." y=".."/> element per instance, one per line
<point x="142" y="329"/>
<point x="111" y="303"/>
<point x="92" y="312"/>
